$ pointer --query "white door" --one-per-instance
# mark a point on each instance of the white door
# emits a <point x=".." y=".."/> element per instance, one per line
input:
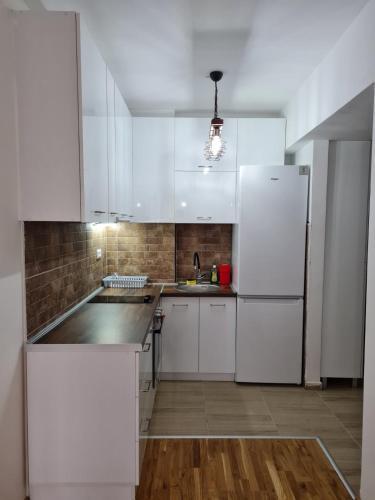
<point x="217" y="335"/>
<point x="272" y="230"/>
<point x="95" y="162"/>
<point x="153" y="169"/>
<point x="180" y="335"/>
<point x="191" y="135"/>
<point x="261" y="141"/>
<point x="204" y="197"/>
<point x="269" y="340"/>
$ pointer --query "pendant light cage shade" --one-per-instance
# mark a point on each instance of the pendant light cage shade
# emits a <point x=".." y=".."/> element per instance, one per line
<point x="215" y="146"/>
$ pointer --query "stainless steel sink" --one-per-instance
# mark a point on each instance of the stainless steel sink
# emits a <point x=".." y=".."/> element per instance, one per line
<point x="201" y="287"/>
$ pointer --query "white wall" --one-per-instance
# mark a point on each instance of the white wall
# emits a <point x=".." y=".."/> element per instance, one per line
<point x="347" y="70"/>
<point x="368" y="438"/>
<point x="11" y="283"/>
<point x="315" y="154"/>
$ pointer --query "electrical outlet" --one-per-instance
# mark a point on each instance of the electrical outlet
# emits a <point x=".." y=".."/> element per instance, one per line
<point x="98" y="253"/>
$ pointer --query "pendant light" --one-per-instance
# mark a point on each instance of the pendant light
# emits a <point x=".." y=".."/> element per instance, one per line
<point x="215" y="146"/>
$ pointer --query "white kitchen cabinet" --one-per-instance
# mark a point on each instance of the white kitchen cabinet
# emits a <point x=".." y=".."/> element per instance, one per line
<point x="205" y="197"/>
<point x="180" y="335"/>
<point x="113" y="211"/>
<point x="124" y="172"/>
<point x="82" y="410"/>
<point x="191" y="135"/>
<point x="153" y="172"/>
<point x="217" y="334"/>
<point x="67" y="143"/>
<point x="261" y="141"/>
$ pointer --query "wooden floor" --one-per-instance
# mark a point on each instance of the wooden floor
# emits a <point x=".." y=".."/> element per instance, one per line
<point x="237" y="469"/>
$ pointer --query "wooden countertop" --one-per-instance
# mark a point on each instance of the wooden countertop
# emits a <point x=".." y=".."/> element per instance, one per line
<point x="173" y="291"/>
<point x="108" y="323"/>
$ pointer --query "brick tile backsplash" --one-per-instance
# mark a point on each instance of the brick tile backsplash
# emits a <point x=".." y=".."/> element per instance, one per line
<point x="62" y="269"/>
<point x="213" y="242"/>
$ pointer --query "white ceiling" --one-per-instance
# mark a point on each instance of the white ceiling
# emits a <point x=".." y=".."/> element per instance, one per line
<point x="161" y="51"/>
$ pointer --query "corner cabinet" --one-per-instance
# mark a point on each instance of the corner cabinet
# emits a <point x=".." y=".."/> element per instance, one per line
<point x="67" y="125"/>
<point x="153" y="172"/>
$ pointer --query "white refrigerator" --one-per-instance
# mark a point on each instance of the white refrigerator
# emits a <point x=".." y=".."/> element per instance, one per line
<point x="269" y="245"/>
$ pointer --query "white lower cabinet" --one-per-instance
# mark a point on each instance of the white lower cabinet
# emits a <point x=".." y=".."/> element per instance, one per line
<point x="217" y="335"/>
<point x="180" y="335"/>
<point x="205" y="197"/>
<point x="198" y="337"/>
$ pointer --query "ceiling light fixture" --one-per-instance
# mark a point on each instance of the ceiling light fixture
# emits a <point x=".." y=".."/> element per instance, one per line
<point x="215" y="146"/>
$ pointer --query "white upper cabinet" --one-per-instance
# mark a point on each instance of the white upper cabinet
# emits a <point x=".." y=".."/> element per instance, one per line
<point x="94" y="130"/>
<point x="153" y="172"/>
<point x="261" y="141"/>
<point x="113" y="211"/>
<point x="124" y="180"/>
<point x="204" y="197"/>
<point x="48" y="119"/>
<point x="191" y="135"/>
<point x="69" y="164"/>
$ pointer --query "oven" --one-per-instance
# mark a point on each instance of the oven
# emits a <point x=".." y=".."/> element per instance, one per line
<point x="157" y="326"/>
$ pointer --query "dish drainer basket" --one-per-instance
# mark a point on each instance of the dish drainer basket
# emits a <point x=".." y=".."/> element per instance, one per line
<point x="125" y="281"/>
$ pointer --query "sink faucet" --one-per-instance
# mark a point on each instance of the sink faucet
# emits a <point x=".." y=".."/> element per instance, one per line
<point x="197" y="268"/>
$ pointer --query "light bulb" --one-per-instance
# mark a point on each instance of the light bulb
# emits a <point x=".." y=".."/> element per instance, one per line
<point x="216" y="144"/>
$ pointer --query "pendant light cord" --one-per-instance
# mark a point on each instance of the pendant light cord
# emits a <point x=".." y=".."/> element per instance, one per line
<point x="215" y="99"/>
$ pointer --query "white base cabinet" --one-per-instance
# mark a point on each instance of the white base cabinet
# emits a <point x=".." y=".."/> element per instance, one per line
<point x="198" y="340"/>
<point x="180" y="337"/>
<point x="88" y="409"/>
<point x="217" y="335"/>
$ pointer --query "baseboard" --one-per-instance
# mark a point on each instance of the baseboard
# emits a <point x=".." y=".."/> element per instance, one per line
<point x="219" y="377"/>
<point x="313" y="386"/>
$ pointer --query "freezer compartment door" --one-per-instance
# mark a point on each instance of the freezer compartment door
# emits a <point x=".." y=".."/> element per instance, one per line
<point x="272" y="230"/>
<point x="269" y="340"/>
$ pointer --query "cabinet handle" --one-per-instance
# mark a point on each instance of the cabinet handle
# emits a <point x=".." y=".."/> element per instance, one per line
<point x="217" y="305"/>
<point x="204" y="218"/>
<point x="113" y="213"/>
<point x="145" y="424"/>
<point x="205" y="166"/>
<point x="146" y="347"/>
<point x="147" y="386"/>
<point x="98" y="212"/>
<point x="180" y="305"/>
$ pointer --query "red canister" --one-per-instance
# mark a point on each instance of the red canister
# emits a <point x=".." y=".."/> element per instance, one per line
<point x="224" y="274"/>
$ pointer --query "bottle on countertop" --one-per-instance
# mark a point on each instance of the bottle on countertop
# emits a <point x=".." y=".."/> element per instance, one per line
<point x="214" y="275"/>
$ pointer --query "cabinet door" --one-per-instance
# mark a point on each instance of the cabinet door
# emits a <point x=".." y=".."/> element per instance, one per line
<point x="112" y="178"/>
<point x="191" y="135"/>
<point x="123" y="125"/>
<point x="95" y="158"/>
<point x="206" y="197"/>
<point x="95" y="130"/>
<point x="180" y="335"/>
<point x="153" y="169"/>
<point x="261" y="141"/>
<point x="217" y="335"/>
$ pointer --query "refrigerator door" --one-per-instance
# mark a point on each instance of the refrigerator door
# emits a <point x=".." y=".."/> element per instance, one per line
<point x="269" y="340"/>
<point x="272" y="230"/>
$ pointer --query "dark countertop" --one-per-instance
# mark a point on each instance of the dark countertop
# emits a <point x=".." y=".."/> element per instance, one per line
<point x="108" y="323"/>
<point x="172" y="291"/>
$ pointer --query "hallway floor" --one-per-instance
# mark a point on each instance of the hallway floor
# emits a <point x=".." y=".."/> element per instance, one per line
<point x="229" y="409"/>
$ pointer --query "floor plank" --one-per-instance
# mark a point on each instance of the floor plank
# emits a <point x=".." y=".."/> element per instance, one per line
<point x="237" y="469"/>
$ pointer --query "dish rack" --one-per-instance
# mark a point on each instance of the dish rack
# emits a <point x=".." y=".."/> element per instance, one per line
<point x="116" y="281"/>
